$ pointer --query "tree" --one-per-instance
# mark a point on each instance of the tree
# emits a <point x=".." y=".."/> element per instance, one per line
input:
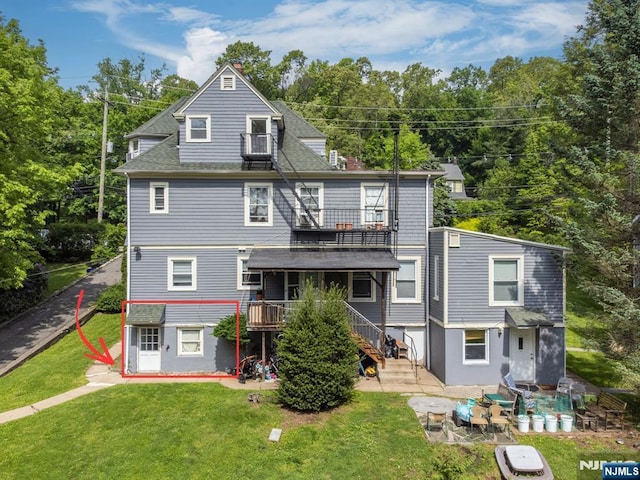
<point x="30" y="100"/>
<point x="318" y="357"/>
<point x="605" y="113"/>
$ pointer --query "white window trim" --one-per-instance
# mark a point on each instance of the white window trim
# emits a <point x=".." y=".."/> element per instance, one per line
<point x="298" y="206"/>
<point x="188" y="128"/>
<point x="194" y="274"/>
<point x="520" y="266"/>
<point x="247" y="222"/>
<point x="385" y="207"/>
<point x="152" y="197"/>
<point x="370" y="299"/>
<point x="223" y="82"/>
<point x="436" y="277"/>
<point x="239" y="283"/>
<point x="394" y="290"/>
<point x="134" y="152"/>
<point x="484" y="361"/>
<point x="251" y="117"/>
<point x="181" y="352"/>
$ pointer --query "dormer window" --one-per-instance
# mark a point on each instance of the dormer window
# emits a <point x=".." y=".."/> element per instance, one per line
<point x="198" y="128"/>
<point x="228" y="82"/>
<point x="134" y="148"/>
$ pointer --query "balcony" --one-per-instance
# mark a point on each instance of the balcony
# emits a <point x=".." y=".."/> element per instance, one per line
<point x="343" y="220"/>
<point x="257" y="147"/>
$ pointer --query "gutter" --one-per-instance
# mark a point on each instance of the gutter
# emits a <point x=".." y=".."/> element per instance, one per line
<point x="427" y="350"/>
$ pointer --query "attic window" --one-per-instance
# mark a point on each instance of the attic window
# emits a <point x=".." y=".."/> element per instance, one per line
<point x="454" y="240"/>
<point x="228" y="82"/>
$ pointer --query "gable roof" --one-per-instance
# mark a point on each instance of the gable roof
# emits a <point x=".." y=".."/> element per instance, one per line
<point x="296" y="124"/>
<point x="161" y="125"/>
<point x="452" y="171"/>
<point x="499" y="238"/>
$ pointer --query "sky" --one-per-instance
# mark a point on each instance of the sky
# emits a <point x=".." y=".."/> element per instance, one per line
<point x="188" y="35"/>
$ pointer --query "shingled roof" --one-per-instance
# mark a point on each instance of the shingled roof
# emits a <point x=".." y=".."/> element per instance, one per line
<point x="161" y="125"/>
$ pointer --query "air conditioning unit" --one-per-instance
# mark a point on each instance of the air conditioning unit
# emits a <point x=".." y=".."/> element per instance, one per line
<point x="333" y="158"/>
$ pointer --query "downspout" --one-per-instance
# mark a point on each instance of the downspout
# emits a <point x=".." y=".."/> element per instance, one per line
<point x="127" y="328"/>
<point x="427" y="349"/>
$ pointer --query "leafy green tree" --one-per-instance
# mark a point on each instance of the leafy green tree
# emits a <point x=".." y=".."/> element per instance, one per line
<point x="30" y="101"/>
<point x="318" y="356"/>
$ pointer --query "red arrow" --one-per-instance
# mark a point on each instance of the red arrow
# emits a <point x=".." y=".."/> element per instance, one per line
<point x="100" y="357"/>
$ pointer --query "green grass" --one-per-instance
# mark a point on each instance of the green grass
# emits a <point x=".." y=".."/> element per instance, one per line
<point x="63" y="274"/>
<point x="204" y="431"/>
<point x="60" y="368"/>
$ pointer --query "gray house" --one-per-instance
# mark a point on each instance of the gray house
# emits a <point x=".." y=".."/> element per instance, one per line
<point x="232" y="203"/>
<point x="455" y="180"/>
<point x="496" y="305"/>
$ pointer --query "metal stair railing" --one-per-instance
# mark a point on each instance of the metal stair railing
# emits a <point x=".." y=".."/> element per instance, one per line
<point x="364" y="327"/>
<point x="413" y="353"/>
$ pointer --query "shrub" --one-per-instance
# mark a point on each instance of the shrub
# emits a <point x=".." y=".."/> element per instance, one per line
<point x="110" y="242"/>
<point x="226" y="329"/>
<point x="16" y="300"/>
<point x="71" y="241"/>
<point x="318" y="357"/>
<point x="111" y="299"/>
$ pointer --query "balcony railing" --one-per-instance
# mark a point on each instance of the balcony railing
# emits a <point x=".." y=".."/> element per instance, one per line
<point x="257" y="146"/>
<point x="344" y="219"/>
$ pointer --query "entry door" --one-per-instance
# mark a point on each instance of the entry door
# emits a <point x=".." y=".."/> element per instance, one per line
<point x="149" y="349"/>
<point x="522" y="354"/>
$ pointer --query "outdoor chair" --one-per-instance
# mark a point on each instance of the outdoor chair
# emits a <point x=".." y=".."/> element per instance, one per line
<point x="478" y="417"/>
<point x="497" y="417"/>
<point x="436" y="420"/>
<point x="524" y="390"/>
<point x="564" y="386"/>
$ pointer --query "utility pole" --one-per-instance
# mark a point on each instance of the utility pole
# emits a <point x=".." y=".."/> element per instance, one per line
<point x="103" y="157"/>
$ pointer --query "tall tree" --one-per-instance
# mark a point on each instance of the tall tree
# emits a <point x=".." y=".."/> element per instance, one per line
<point x="605" y="113"/>
<point x="30" y="100"/>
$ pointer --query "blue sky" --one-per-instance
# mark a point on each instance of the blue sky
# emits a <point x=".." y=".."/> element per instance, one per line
<point x="188" y="35"/>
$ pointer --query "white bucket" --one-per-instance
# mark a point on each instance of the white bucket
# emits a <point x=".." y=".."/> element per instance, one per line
<point x="566" y="422"/>
<point x="537" y="423"/>
<point x="551" y="423"/>
<point x="523" y="423"/>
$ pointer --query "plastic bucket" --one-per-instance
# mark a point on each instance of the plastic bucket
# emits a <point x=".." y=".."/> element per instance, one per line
<point x="523" y="423"/>
<point x="566" y="422"/>
<point x="537" y="423"/>
<point x="551" y="423"/>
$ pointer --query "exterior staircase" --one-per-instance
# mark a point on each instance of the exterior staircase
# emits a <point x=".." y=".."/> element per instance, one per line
<point x="398" y="370"/>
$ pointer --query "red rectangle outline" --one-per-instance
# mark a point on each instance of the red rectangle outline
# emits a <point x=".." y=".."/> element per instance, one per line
<point x="236" y="303"/>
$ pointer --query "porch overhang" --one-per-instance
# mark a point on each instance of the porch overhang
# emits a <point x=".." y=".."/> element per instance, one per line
<point x="349" y="260"/>
<point x="520" y="317"/>
<point x="146" y="314"/>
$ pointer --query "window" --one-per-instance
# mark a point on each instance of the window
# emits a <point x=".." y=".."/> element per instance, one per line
<point x="374" y="204"/>
<point x="311" y="195"/>
<point x="436" y="277"/>
<point x="455" y="186"/>
<point x="258" y="135"/>
<point x="258" y="207"/>
<point x="134" y="148"/>
<point x="506" y="281"/>
<point x="198" y="128"/>
<point x="190" y="341"/>
<point x="247" y="279"/>
<point x="475" y="346"/>
<point x="228" y="82"/>
<point x="407" y="281"/>
<point x="159" y="197"/>
<point x="361" y="287"/>
<point x="182" y="274"/>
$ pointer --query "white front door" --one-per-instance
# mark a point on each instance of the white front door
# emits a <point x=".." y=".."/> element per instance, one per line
<point x="522" y="354"/>
<point x="148" y="349"/>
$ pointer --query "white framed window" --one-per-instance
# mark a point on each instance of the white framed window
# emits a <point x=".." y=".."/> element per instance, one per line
<point x="295" y="281"/>
<point x="407" y="281"/>
<point x="475" y="347"/>
<point x="258" y="204"/>
<point x="182" y="274"/>
<point x="159" y="197"/>
<point x="134" y="148"/>
<point x="198" y="128"/>
<point x="258" y="134"/>
<point x="190" y="341"/>
<point x="312" y="195"/>
<point x="228" y="82"/>
<point x="436" y="277"/>
<point x="362" y="288"/>
<point x="506" y="280"/>
<point x="373" y="203"/>
<point x="248" y="279"/>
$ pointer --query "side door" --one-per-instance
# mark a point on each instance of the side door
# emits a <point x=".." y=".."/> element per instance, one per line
<point x="148" y="349"/>
<point x="522" y="354"/>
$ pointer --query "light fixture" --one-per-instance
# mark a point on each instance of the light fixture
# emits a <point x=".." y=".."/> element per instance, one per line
<point x="136" y="249"/>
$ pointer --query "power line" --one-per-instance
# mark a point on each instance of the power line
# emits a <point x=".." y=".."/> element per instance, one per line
<point x="428" y="109"/>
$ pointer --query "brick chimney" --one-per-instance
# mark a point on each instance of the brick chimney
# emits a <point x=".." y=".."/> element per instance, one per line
<point x="238" y="66"/>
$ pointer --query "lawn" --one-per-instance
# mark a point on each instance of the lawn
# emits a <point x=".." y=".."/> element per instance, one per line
<point x="63" y="274"/>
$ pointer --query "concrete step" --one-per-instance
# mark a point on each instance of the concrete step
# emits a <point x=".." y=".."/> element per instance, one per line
<point x="397" y="371"/>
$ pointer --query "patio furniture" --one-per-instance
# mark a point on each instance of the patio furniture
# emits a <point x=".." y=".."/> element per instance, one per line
<point x="587" y="418"/>
<point x="436" y="420"/>
<point x="478" y="417"/>
<point x="609" y="408"/>
<point x="524" y="390"/>
<point x="504" y="397"/>
<point x="497" y="417"/>
<point x="564" y="386"/>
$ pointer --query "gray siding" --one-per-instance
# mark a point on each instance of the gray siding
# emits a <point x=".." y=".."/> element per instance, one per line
<point x="436" y="248"/>
<point x="147" y="143"/>
<point x="468" y="280"/>
<point x="228" y="111"/>
<point x="412" y="212"/>
<point x="318" y="145"/>
<point x="550" y="355"/>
